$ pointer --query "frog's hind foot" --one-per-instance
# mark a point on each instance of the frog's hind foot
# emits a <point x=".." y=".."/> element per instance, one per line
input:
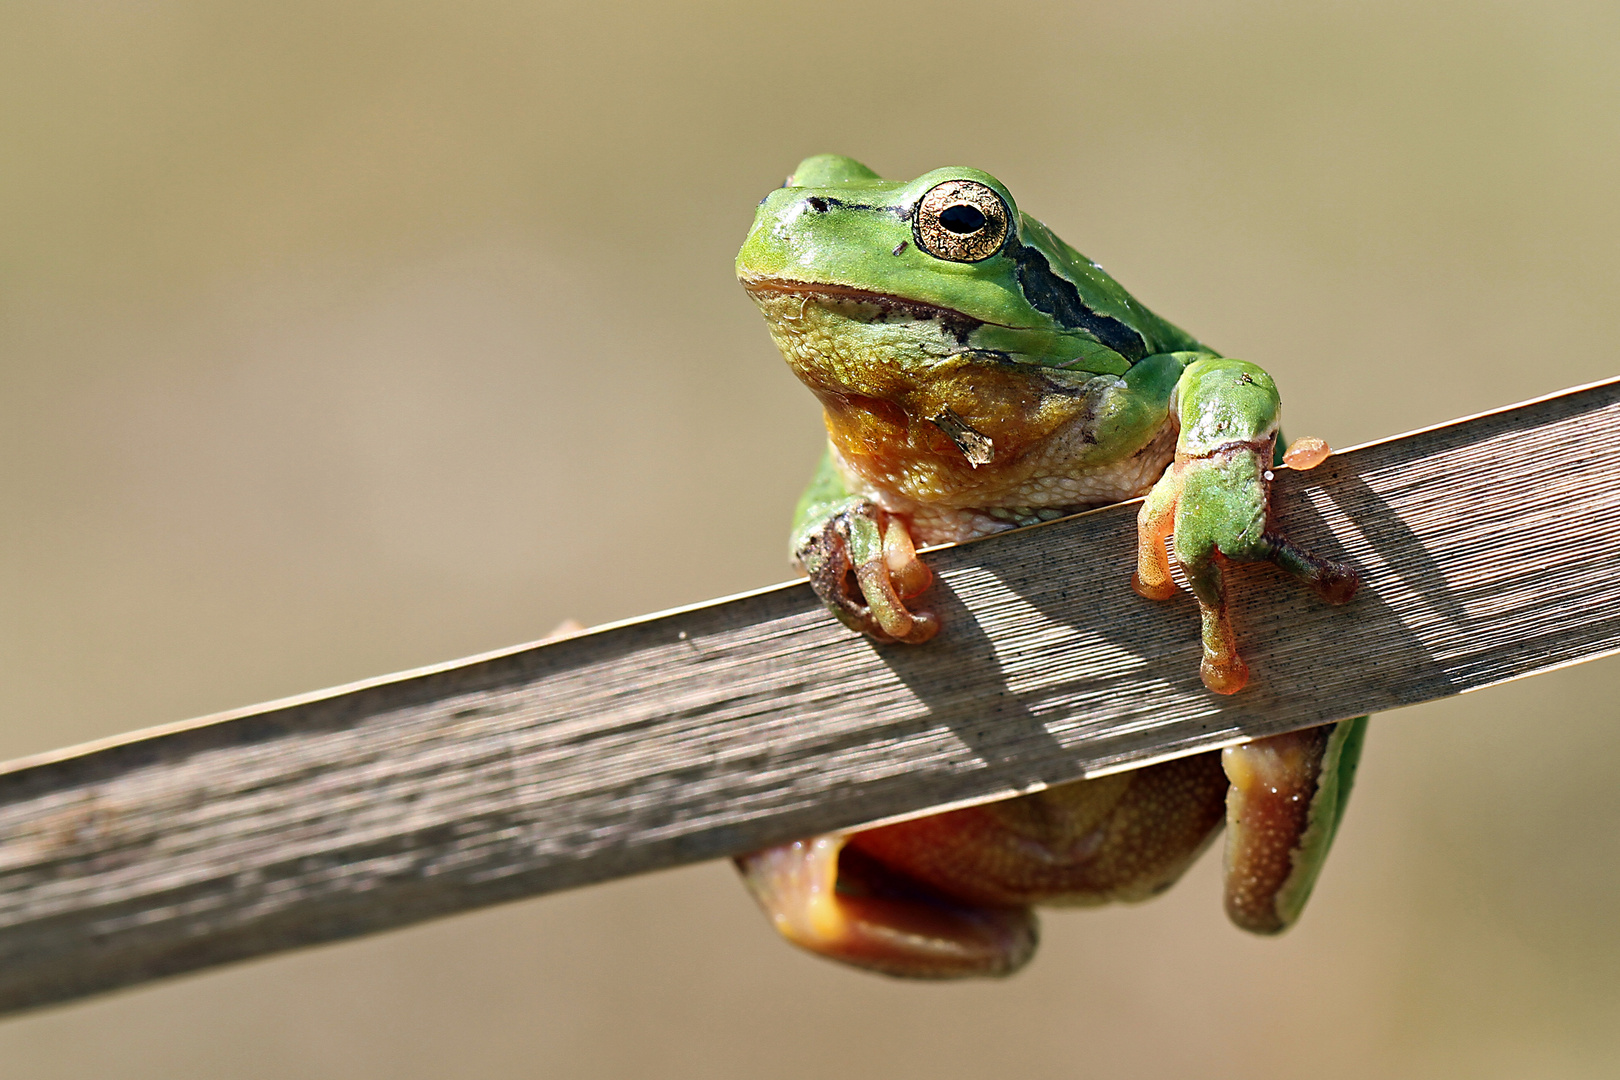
<point x="844" y="905"/>
<point x="1287" y="798"/>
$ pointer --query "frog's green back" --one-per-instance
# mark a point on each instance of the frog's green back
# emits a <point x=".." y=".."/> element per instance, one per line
<point x="1162" y="335"/>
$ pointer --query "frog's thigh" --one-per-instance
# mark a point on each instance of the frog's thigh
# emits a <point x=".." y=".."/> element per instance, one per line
<point x="1287" y="799"/>
<point x="845" y="905"/>
<point x="1126" y="837"/>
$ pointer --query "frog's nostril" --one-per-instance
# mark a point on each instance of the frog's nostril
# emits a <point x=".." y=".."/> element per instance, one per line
<point x="962" y="219"/>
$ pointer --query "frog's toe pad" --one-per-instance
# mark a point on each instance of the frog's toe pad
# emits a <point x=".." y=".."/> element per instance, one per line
<point x="1153" y="590"/>
<point x="846" y="906"/>
<point x="1223" y="674"/>
<point x="1306" y="453"/>
<point x="1338" y="584"/>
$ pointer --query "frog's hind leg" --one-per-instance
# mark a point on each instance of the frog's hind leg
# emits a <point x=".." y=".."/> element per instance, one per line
<point x="843" y="904"/>
<point x="1287" y="798"/>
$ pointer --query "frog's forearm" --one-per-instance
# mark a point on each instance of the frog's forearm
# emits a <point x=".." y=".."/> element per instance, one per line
<point x="1213" y="502"/>
<point x="1220" y="402"/>
<point x="1228" y="410"/>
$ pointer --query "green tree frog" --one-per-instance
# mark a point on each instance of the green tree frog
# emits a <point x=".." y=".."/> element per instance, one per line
<point x="977" y="374"/>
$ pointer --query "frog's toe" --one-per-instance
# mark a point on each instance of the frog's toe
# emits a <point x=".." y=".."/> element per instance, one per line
<point x="1335" y="582"/>
<point x="1154" y="522"/>
<point x="864" y="566"/>
<point x="1286" y="800"/>
<point x="847" y="906"/>
<point x="1221" y="668"/>
<point x="909" y="574"/>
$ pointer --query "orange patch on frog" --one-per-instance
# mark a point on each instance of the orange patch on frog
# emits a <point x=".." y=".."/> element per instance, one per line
<point x="904" y="429"/>
<point x="884" y="406"/>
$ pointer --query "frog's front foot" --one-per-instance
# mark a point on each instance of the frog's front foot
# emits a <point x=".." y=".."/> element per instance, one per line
<point x="843" y="904"/>
<point x="864" y="567"/>
<point x="1215" y="505"/>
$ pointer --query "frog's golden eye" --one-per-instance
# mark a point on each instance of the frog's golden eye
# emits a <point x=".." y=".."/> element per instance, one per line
<point x="961" y="221"/>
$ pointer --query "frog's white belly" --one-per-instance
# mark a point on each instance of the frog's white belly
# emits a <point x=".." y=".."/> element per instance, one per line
<point x="1043" y="491"/>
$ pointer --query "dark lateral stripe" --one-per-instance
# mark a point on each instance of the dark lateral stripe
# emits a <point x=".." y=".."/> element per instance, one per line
<point x="1058" y="297"/>
<point x="823" y="203"/>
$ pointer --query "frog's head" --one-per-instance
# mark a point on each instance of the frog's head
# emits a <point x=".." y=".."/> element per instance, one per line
<point x="845" y="264"/>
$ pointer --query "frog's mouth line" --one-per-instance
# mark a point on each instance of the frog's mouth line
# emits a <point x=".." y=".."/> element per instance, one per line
<point x="956" y="322"/>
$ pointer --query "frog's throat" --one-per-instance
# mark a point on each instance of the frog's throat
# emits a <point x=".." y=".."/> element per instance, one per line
<point x="958" y="323"/>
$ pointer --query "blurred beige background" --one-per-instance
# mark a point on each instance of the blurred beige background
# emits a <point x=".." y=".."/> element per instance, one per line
<point x="341" y="338"/>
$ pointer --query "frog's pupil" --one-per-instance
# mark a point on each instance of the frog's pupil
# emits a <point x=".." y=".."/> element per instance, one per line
<point x="962" y="219"/>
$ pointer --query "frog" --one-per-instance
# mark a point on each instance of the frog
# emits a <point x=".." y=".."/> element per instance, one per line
<point x="976" y="374"/>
